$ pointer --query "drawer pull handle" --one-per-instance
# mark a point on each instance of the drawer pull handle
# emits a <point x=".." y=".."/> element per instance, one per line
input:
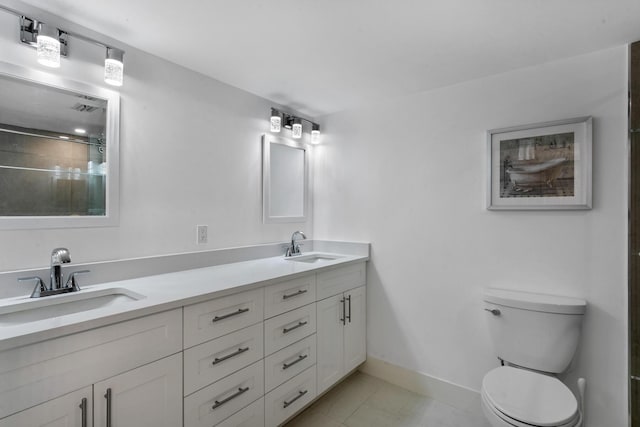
<point x="289" y="403"/>
<point x="108" y="397"/>
<point x="229" y="356"/>
<point x="295" y="294"/>
<point x="299" y="325"/>
<point x="226" y="316"/>
<point x="83" y="414"/>
<point x="219" y="403"/>
<point x="298" y="360"/>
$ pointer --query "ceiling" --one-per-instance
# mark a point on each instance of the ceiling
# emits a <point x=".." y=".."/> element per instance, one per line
<point x="323" y="56"/>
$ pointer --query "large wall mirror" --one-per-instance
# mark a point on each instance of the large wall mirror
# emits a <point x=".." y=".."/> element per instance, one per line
<point x="59" y="148"/>
<point x="285" y="180"/>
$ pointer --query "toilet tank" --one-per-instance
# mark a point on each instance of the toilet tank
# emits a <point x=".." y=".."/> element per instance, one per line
<point x="536" y="331"/>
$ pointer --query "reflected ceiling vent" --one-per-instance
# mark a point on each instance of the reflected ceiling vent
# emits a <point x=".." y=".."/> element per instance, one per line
<point x="84" y="108"/>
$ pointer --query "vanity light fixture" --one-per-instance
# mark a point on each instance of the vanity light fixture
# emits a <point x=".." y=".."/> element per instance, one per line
<point x="293" y="123"/>
<point x="275" y="120"/>
<point x="114" y="67"/>
<point x="52" y="43"/>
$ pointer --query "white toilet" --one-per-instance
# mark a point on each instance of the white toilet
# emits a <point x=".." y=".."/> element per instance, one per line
<point x="535" y="336"/>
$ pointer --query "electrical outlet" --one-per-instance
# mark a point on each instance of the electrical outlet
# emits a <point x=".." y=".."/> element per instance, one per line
<point x="203" y="231"/>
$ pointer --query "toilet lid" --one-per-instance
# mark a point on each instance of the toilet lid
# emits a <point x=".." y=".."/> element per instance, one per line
<point x="529" y="397"/>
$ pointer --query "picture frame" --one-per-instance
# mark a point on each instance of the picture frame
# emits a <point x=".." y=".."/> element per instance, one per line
<point x="541" y="166"/>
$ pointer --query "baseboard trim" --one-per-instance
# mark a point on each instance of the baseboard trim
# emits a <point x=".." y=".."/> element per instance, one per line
<point x="455" y="395"/>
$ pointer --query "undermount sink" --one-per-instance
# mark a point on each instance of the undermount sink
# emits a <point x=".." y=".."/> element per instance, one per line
<point x="313" y="258"/>
<point x="24" y="310"/>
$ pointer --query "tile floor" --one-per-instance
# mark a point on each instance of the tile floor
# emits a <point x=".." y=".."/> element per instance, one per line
<point x="365" y="401"/>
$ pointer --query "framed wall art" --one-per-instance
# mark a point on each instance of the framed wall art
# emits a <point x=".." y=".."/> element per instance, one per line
<point x="541" y="166"/>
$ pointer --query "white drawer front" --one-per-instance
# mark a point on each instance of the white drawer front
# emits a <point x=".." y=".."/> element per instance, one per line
<point x="283" y="402"/>
<point x="251" y="416"/>
<point x="40" y="372"/>
<point x="334" y="282"/>
<point x="287" y="328"/>
<point x="219" y="401"/>
<point x="208" y="362"/>
<point x="289" y="362"/>
<point x="212" y="319"/>
<point x="289" y="295"/>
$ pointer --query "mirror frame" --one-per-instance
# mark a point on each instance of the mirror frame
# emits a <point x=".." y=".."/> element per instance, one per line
<point x="112" y="132"/>
<point x="267" y="140"/>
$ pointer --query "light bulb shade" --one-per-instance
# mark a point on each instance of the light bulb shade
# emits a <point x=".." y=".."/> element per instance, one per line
<point x="315" y="136"/>
<point x="276" y="121"/>
<point x="296" y="129"/>
<point x="114" y="67"/>
<point x="48" y="46"/>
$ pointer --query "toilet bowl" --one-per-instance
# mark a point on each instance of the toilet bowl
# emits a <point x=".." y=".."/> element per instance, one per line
<point x="521" y="398"/>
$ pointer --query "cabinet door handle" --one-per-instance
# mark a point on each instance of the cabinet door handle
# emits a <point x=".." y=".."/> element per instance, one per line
<point x="343" y="319"/>
<point x="298" y="360"/>
<point x="229" y="356"/>
<point x="108" y="397"/>
<point x="349" y="316"/>
<point x="300" y="394"/>
<point x="219" y="403"/>
<point x="293" y="328"/>
<point x="226" y="316"/>
<point x="83" y="414"/>
<point x="295" y="294"/>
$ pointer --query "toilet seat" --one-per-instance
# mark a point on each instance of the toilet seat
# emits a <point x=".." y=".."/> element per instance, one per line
<point x="523" y="398"/>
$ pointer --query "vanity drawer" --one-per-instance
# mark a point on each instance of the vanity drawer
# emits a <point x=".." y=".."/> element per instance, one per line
<point x="212" y="319"/>
<point x="289" y="295"/>
<point x="289" y="362"/>
<point x="251" y="416"/>
<point x="208" y="362"/>
<point x="287" y="328"/>
<point x="336" y="281"/>
<point x="219" y="401"/>
<point x="283" y="402"/>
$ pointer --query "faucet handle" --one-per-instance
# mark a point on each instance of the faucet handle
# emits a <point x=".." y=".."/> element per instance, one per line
<point x="72" y="282"/>
<point x="40" y="287"/>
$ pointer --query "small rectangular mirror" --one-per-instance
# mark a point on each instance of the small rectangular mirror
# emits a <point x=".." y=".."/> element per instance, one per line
<point x="58" y="151"/>
<point x="285" y="180"/>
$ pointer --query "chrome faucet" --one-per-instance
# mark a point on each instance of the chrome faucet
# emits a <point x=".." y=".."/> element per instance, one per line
<point x="294" y="249"/>
<point x="59" y="256"/>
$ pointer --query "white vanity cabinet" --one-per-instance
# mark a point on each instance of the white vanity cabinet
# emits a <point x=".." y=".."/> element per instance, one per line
<point x="71" y="410"/>
<point x="47" y="381"/>
<point x="253" y="358"/>
<point x="148" y="396"/>
<point x="341" y="330"/>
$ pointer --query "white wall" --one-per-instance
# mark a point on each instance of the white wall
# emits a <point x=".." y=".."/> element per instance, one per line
<point x="190" y="154"/>
<point x="409" y="176"/>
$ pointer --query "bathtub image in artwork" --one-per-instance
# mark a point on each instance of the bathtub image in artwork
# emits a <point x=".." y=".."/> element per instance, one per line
<point x="540" y="166"/>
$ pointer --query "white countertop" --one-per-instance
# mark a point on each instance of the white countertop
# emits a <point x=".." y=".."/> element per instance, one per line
<point x="165" y="292"/>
